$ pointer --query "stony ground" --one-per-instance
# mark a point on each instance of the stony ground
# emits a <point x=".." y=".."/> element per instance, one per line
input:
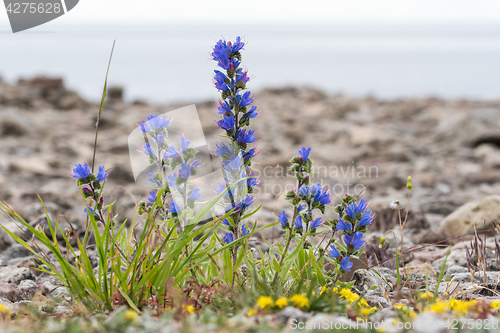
<point x="450" y="148"/>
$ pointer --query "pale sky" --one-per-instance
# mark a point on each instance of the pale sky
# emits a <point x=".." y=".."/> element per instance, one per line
<point x="284" y="11"/>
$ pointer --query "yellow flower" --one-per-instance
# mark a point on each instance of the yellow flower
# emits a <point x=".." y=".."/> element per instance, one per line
<point x="265" y="301"/>
<point x="439" y="307"/>
<point x="495" y="305"/>
<point x="323" y="290"/>
<point x="362" y="302"/>
<point x="335" y="290"/>
<point x="461" y="307"/>
<point x="281" y="302"/>
<point x="300" y="301"/>
<point x="349" y="295"/>
<point x="131" y="315"/>
<point x="4" y="311"/>
<point x="427" y="295"/>
<point x="251" y="312"/>
<point x="368" y="311"/>
<point x="406" y="310"/>
<point x="189" y="309"/>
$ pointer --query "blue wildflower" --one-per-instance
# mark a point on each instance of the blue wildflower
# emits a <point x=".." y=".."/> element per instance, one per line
<point x="171" y="152"/>
<point x="355" y="241"/>
<point x="220" y="81"/>
<point x="237" y="46"/>
<point x="351" y="210"/>
<point x="148" y="150"/>
<point x="248" y="155"/>
<point x="154" y="178"/>
<point x="317" y="223"/>
<point x="366" y="219"/>
<point x="361" y="206"/>
<point x="195" y="195"/>
<point x="304" y="153"/>
<point x="250" y="114"/>
<point x="283" y="219"/>
<point x="342" y="225"/>
<point x="247" y="202"/>
<point x="333" y="252"/>
<point x="252" y="181"/>
<point x="246" y="137"/>
<point x="242" y="76"/>
<point x="185" y="171"/>
<point x="172" y="180"/>
<point x="81" y="171"/>
<point x="234" y="163"/>
<point x="300" y="208"/>
<point x="195" y="164"/>
<point x="174" y="208"/>
<point x="345" y="264"/>
<point x="184" y="143"/>
<point x="298" y="222"/>
<point x="224" y="108"/>
<point x="305" y="191"/>
<point x="244" y="229"/>
<point x="102" y="175"/>
<point x="152" y="196"/>
<point x="244" y="100"/>
<point x="228" y="238"/>
<point x="221" y="54"/>
<point x="322" y="196"/>
<point x="224" y="150"/>
<point x="155" y="122"/>
<point x="87" y="210"/>
<point x="226" y="222"/>
<point x="227" y="123"/>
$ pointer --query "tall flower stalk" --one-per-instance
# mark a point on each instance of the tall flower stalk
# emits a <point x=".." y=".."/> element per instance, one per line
<point x="305" y="198"/>
<point x="166" y="159"/>
<point x="237" y="111"/>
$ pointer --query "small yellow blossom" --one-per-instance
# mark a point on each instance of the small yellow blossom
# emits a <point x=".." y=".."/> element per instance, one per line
<point x="265" y="301"/>
<point x="131" y="316"/>
<point x="495" y="305"/>
<point x="426" y="295"/>
<point x="439" y="307"/>
<point x="366" y="311"/>
<point x="281" y="302"/>
<point x="362" y="302"/>
<point x="251" y="312"/>
<point x="4" y="311"/>
<point x="300" y="301"/>
<point x="349" y="295"/>
<point x="189" y="309"/>
<point x="323" y="290"/>
<point x="406" y="310"/>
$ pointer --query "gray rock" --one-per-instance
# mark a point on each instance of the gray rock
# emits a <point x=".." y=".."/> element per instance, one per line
<point x="292" y="313"/>
<point x="16" y="274"/>
<point x="62" y="311"/>
<point x="454" y="270"/>
<point x="456" y="258"/>
<point x="16" y="251"/>
<point x="54" y="291"/>
<point x="480" y="213"/>
<point x="366" y="279"/>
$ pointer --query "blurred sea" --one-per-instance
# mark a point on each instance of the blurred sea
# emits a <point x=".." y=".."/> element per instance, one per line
<point x="171" y="63"/>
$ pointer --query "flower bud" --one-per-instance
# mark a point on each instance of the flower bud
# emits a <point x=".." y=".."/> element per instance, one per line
<point x="409" y="185"/>
<point x="382" y="241"/>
